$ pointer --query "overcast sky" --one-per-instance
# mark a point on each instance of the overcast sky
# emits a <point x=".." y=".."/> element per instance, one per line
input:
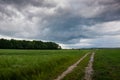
<point x="71" y="23"/>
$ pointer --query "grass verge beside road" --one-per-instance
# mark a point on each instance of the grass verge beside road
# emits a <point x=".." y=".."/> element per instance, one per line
<point x="107" y="64"/>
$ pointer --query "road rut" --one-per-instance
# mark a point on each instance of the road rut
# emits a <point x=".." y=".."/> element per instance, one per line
<point x="89" y="69"/>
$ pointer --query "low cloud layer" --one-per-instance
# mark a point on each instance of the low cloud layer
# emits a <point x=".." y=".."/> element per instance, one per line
<point x="72" y="23"/>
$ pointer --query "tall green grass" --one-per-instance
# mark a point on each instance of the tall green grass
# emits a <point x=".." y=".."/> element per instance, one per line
<point x="107" y="64"/>
<point x="36" y="64"/>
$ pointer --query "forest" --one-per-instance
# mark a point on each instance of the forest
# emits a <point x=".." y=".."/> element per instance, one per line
<point x="24" y="44"/>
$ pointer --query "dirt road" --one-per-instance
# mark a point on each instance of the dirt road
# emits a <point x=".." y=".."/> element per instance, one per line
<point x="70" y="68"/>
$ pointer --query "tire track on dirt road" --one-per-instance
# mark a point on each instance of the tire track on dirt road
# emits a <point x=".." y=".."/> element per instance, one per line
<point x="89" y="68"/>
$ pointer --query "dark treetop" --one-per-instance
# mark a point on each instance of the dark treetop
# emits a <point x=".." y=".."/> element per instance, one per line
<point x="23" y="44"/>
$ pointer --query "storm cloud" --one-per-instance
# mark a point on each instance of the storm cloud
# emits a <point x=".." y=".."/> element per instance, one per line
<point x="72" y="23"/>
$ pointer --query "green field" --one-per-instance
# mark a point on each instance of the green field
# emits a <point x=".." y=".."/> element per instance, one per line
<point x="107" y="64"/>
<point x="48" y="64"/>
<point x="36" y="64"/>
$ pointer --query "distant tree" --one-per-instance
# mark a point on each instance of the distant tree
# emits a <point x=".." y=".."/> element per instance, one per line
<point x="23" y="44"/>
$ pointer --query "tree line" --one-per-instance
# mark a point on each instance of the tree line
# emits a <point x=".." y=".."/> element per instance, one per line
<point x="24" y="44"/>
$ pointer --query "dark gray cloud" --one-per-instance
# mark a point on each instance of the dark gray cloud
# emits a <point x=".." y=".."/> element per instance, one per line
<point x="24" y="3"/>
<point x="67" y="26"/>
<point x="66" y="21"/>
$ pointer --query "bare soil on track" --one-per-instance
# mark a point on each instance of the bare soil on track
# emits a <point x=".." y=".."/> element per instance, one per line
<point x="89" y="68"/>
